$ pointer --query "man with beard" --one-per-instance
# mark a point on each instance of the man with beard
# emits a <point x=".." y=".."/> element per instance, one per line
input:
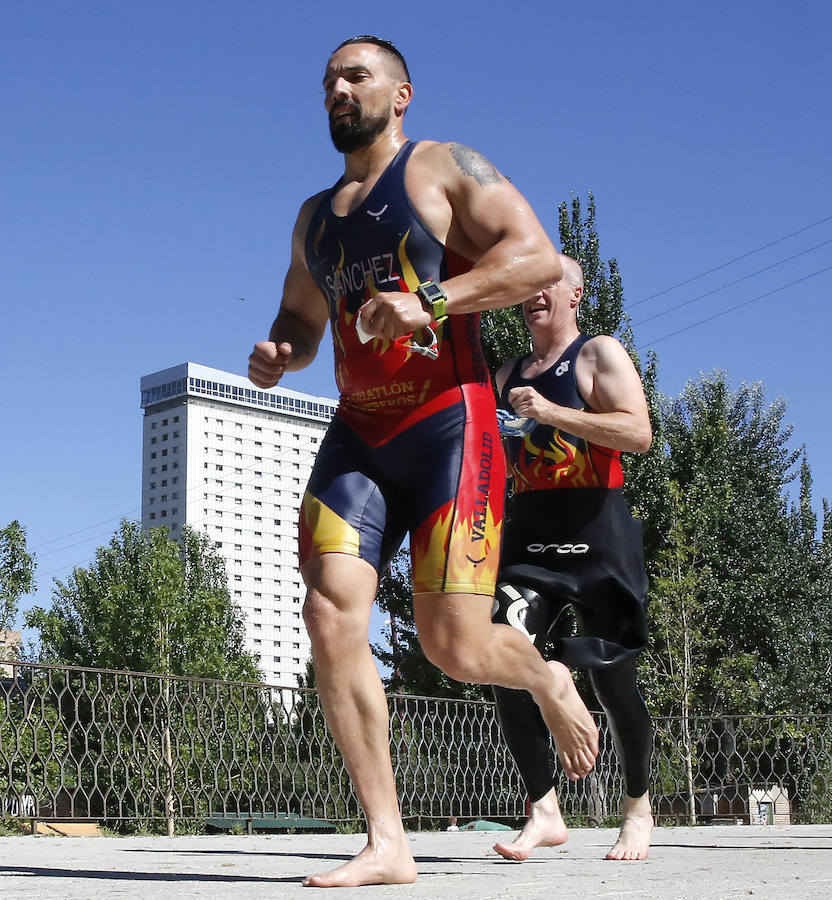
<point x="400" y="256"/>
<point x="571" y="407"/>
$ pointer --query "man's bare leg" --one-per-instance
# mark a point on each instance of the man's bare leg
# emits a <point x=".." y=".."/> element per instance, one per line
<point x="458" y="636"/>
<point x="544" y="828"/>
<point x="636" y="826"/>
<point x="340" y="594"/>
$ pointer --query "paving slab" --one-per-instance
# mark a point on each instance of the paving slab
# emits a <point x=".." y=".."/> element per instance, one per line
<point x="703" y="863"/>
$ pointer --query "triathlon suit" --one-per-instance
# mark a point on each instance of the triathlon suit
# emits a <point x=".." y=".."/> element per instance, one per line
<point x="572" y="541"/>
<point x="413" y="446"/>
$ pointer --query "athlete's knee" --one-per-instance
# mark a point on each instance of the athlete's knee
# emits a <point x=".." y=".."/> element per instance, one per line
<point x="329" y="625"/>
<point x="319" y="615"/>
<point x="616" y="688"/>
<point x="458" y="658"/>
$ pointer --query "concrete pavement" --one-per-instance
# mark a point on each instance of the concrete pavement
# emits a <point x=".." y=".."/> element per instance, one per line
<point x="703" y="863"/>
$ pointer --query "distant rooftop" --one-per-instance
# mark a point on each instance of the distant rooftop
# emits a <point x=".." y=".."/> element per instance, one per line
<point x="194" y="380"/>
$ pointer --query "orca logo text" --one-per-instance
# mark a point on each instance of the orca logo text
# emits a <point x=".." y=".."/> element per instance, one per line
<point x="558" y="548"/>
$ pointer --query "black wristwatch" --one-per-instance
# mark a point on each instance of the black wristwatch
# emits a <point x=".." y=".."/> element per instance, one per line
<point x="433" y="299"/>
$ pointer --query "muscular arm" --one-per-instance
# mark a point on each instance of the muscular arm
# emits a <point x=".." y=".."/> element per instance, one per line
<point x="301" y="319"/>
<point x="513" y="256"/>
<point x="476" y="212"/>
<point x="610" y="384"/>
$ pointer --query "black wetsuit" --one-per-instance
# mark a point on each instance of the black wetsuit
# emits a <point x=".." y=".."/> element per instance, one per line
<point x="572" y="541"/>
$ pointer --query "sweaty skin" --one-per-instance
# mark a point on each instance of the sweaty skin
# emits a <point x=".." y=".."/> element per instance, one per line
<point x="476" y="215"/>
<point x="615" y="417"/>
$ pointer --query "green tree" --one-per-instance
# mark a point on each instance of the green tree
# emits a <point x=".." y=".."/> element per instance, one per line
<point x="148" y="604"/>
<point x="17" y="572"/>
<point x="802" y="625"/>
<point x="728" y="463"/>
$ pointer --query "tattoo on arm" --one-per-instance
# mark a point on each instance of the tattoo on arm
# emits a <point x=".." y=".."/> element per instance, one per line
<point x="475" y="165"/>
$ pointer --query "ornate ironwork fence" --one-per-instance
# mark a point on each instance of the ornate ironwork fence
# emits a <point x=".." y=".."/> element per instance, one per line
<point x="106" y="745"/>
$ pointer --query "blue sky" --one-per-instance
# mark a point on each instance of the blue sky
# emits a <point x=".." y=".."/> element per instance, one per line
<point x="154" y="155"/>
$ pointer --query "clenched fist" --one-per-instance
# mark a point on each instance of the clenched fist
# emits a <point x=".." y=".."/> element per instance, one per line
<point x="268" y="362"/>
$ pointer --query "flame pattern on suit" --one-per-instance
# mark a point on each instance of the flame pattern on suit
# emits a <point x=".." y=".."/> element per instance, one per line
<point x="413" y="438"/>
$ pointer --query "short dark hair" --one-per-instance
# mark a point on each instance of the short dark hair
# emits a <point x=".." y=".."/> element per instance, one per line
<point x="388" y="46"/>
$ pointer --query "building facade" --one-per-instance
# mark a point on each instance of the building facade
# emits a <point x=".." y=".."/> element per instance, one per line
<point x="228" y="459"/>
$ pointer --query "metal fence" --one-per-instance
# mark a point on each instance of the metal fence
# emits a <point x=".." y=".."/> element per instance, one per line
<point x="114" y="746"/>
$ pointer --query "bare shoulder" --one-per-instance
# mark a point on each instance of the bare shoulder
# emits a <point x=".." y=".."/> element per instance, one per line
<point x="309" y="206"/>
<point x="604" y="351"/>
<point x="454" y="160"/>
<point x="305" y="214"/>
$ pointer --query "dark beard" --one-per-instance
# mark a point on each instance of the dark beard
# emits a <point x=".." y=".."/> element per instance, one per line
<point x="351" y="135"/>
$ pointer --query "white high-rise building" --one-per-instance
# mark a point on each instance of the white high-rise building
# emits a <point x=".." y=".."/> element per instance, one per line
<point x="225" y="458"/>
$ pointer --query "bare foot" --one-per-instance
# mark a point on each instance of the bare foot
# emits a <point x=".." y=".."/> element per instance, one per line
<point x="544" y="828"/>
<point x="387" y="862"/>
<point x="572" y="726"/>
<point x="636" y="826"/>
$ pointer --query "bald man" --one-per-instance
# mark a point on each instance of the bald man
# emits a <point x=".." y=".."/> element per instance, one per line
<point x="569" y="409"/>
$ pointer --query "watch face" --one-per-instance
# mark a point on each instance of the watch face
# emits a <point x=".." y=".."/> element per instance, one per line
<point x="431" y="292"/>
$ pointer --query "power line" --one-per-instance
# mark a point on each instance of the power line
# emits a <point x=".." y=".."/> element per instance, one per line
<point x="63" y="537"/>
<point x="225" y="494"/>
<point x="723" y="287"/>
<point x="729" y="262"/>
<point x="725" y="312"/>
